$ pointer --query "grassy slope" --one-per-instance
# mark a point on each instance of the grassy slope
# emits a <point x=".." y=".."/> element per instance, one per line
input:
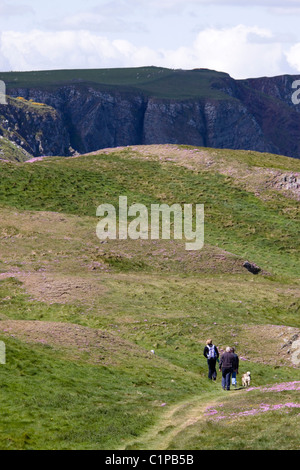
<point x="149" y="295"/>
<point x="12" y="152"/>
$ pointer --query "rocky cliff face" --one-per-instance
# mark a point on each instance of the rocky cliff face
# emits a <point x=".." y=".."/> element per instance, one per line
<point x="92" y="119"/>
<point x="218" y="124"/>
<point x="269" y="100"/>
<point x="255" y="114"/>
<point x="36" y="128"/>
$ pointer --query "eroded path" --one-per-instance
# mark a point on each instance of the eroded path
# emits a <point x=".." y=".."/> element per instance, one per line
<point x="175" y="420"/>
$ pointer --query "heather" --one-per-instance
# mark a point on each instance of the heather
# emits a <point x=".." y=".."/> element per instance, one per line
<point x="267" y="421"/>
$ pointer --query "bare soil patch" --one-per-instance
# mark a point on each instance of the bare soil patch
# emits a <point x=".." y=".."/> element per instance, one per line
<point x="52" y="288"/>
<point x="75" y="341"/>
<point x="269" y="345"/>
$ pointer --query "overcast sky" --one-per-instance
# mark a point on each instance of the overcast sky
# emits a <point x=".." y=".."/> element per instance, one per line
<point x="243" y="38"/>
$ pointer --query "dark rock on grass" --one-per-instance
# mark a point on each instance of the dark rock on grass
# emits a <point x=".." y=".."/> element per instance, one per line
<point x="252" y="268"/>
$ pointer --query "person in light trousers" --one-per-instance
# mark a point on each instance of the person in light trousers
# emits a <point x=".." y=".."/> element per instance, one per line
<point x="236" y="371"/>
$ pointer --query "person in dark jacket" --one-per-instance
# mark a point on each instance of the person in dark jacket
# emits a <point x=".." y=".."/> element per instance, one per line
<point x="212" y="355"/>
<point x="227" y="366"/>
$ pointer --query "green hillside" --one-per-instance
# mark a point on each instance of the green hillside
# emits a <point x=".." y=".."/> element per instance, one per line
<point x="80" y="317"/>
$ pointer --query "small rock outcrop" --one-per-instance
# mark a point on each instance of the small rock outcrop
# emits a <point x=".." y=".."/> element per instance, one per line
<point x="252" y="268"/>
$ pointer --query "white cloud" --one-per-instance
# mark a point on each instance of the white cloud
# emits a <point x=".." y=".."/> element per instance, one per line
<point x="241" y="51"/>
<point x="232" y="50"/>
<point x="40" y="50"/>
<point x="293" y="57"/>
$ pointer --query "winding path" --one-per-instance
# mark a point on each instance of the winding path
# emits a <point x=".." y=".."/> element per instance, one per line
<point x="175" y="420"/>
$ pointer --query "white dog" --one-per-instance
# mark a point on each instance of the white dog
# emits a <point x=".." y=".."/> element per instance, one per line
<point x="246" y="378"/>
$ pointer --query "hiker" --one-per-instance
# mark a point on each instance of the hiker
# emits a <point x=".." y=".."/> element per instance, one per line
<point x="236" y="370"/>
<point x="212" y="355"/>
<point x="227" y="366"/>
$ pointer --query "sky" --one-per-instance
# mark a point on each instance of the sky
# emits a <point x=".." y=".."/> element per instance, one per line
<point x="243" y="38"/>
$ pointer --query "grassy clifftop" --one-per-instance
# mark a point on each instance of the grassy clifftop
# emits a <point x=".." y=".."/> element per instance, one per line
<point x="152" y="81"/>
<point x="80" y="317"/>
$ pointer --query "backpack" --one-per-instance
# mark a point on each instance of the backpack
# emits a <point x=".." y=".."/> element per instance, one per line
<point x="211" y="352"/>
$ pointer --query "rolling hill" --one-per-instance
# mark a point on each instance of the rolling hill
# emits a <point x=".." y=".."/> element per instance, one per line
<point x="80" y="317"/>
